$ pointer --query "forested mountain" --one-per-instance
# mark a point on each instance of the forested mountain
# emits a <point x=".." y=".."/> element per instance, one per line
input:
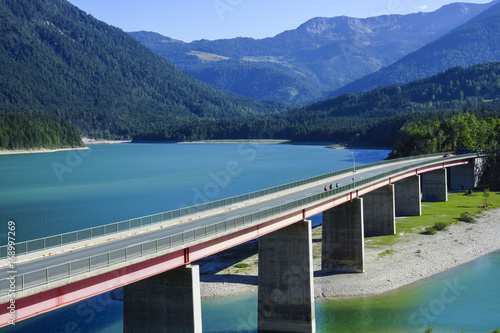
<point x="393" y="106"/>
<point x="56" y="59"/>
<point x="477" y="41"/>
<point x="319" y="56"/>
<point x="373" y="117"/>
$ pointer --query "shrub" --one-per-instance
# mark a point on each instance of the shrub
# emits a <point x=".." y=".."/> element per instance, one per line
<point x="467" y="217"/>
<point x="439" y="226"/>
<point x="430" y="231"/>
<point x="242" y="265"/>
<point x="486" y="196"/>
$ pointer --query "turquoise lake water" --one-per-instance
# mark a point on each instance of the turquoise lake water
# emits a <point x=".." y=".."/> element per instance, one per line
<point x="48" y="194"/>
<point x="59" y="192"/>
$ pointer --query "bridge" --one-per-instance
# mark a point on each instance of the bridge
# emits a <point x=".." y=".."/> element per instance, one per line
<point x="151" y="256"/>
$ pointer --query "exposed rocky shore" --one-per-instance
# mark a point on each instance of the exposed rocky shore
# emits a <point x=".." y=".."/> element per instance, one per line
<point x="414" y="257"/>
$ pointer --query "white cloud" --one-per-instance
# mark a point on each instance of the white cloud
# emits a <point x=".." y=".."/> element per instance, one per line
<point x="423" y="7"/>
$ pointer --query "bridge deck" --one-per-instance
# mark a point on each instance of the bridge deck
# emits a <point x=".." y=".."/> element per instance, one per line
<point x="127" y="258"/>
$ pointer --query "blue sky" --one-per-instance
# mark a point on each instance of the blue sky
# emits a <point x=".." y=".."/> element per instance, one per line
<point x="189" y="20"/>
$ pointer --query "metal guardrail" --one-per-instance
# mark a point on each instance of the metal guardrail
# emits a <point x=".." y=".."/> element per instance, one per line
<point x="66" y="270"/>
<point x="73" y="237"/>
<point x="114" y="228"/>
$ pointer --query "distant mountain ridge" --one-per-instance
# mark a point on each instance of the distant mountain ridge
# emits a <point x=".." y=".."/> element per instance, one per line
<point x="321" y="55"/>
<point x="475" y="42"/>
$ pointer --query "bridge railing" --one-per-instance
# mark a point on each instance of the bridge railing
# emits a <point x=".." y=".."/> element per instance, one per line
<point x="66" y="270"/>
<point x="84" y="235"/>
<point x="114" y="228"/>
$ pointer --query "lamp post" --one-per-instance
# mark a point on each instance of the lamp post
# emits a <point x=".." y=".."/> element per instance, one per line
<point x="354" y="166"/>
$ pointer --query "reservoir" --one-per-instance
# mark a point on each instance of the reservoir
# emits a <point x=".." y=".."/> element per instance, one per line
<point x="59" y="192"/>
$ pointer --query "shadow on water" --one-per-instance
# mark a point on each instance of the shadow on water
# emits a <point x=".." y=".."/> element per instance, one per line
<point x="243" y="279"/>
<point x="226" y="259"/>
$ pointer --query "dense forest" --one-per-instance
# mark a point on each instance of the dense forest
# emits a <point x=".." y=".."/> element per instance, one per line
<point x="373" y="117"/>
<point x="460" y="132"/>
<point x="56" y="59"/>
<point x="260" y="80"/>
<point x="31" y="131"/>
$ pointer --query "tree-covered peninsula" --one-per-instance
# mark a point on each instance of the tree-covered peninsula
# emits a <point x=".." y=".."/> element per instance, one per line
<point x="34" y="131"/>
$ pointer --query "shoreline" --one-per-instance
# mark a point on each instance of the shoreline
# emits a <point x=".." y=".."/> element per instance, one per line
<point x="328" y="145"/>
<point x="414" y="257"/>
<point x="38" y="151"/>
<point x="266" y="142"/>
<point x="86" y="141"/>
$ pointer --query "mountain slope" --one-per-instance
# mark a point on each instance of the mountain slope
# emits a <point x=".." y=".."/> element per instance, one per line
<point x="321" y="55"/>
<point x="372" y="118"/>
<point x="56" y="59"/>
<point x="477" y="41"/>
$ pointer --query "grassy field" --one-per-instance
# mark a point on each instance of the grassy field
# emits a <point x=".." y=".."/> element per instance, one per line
<point x="433" y="212"/>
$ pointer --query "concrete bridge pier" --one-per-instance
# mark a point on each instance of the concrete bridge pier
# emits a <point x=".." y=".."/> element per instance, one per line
<point x="467" y="177"/>
<point x="343" y="238"/>
<point x="435" y="186"/>
<point x="286" y="285"/>
<point x="408" y="197"/>
<point x="167" y="302"/>
<point x="379" y="212"/>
